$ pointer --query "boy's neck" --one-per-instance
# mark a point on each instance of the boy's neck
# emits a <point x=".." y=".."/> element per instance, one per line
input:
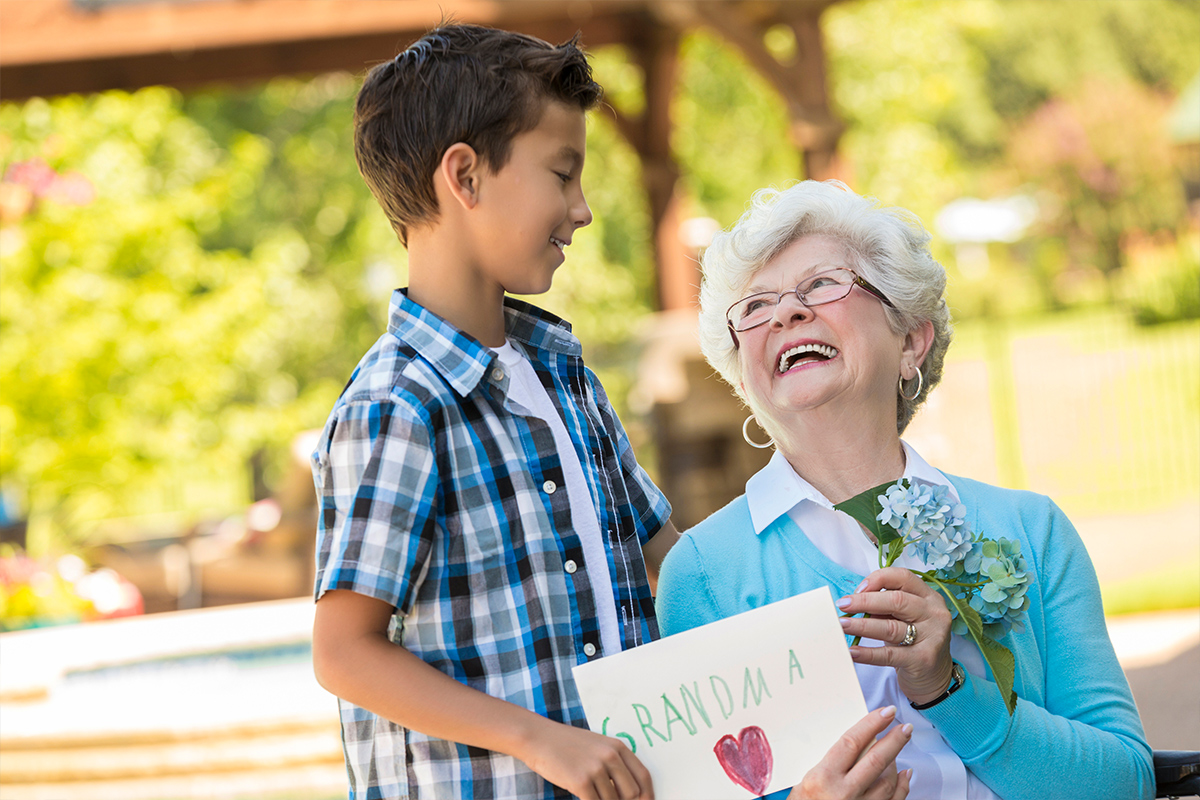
<point x="439" y="280"/>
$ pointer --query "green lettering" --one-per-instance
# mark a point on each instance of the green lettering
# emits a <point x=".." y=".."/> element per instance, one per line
<point x="758" y="690"/>
<point x="647" y="724"/>
<point x="672" y="714"/>
<point x="794" y="666"/>
<point x="691" y="700"/>
<point x="622" y="735"/>
<point x="712" y="682"/>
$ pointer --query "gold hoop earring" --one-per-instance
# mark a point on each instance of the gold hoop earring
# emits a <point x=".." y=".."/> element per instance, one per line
<point x="917" y="393"/>
<point x="751" y="442"/>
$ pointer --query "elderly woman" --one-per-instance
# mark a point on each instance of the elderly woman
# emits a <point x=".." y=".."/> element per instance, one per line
<point x="824" y="312"/>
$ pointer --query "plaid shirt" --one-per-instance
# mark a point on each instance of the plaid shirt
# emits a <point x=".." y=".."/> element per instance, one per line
<point x="439" y="497"/>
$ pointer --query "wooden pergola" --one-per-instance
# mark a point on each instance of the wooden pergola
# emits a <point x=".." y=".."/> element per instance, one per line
<point x="53" y="47"/>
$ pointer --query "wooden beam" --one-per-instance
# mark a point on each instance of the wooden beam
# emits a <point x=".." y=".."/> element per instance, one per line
<point x="55" y="47"/>
<point x="802" y="83"/>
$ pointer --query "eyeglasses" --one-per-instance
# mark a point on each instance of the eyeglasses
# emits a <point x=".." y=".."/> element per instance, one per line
<point x="816" y="290"/>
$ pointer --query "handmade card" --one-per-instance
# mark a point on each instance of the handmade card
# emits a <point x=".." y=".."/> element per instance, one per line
<point x="734" y="709"/>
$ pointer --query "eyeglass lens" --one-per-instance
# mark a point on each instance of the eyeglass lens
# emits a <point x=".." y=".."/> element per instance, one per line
<point x="824" y="287"/>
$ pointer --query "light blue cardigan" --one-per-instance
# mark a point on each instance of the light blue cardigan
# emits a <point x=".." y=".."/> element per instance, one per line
<point x="1076" y="731"/>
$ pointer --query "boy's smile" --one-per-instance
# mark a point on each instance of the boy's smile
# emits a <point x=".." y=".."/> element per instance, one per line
<point x="529" y="209"/>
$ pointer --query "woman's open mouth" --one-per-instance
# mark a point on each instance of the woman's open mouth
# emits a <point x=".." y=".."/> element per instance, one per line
<point x="804" y="353"/>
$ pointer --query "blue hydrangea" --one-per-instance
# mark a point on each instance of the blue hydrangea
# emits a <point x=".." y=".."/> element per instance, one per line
<point x="1003" y="577"/>
<point x="928" y="518"/>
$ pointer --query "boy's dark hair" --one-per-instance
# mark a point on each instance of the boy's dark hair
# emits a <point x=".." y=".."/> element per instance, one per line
<point x="457" y="83"/>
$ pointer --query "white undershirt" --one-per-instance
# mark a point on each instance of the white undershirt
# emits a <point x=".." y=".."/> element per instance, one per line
<point x="777" y="489"/>
<point x="526" y="390"/>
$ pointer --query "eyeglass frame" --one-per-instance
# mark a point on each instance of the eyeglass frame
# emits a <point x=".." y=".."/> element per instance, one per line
<point x="858" y="281"/>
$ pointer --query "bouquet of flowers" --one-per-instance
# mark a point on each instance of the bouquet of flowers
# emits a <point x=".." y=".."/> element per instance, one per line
<point x="983" y="580"/>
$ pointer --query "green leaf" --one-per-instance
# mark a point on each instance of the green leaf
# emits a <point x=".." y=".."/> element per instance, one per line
<point x="864" y="507"/>
<point x="999" y="658"/>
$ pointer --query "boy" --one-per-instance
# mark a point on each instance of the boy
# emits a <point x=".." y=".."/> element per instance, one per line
<point x="483" y="519"/>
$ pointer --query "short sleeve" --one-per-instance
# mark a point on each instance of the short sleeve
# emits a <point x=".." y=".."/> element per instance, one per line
<point x="648" y="506"/>
<point x="376" y="476"/>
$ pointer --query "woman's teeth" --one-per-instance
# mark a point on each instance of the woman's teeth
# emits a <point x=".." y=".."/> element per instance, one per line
<point x="789" y="357"/>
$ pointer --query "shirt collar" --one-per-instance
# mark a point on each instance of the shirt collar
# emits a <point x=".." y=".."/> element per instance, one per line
<point x="777" y="488"/>
<point x="460" y="358"/>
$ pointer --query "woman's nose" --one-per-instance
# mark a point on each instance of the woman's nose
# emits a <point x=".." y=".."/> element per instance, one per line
<point x="790" y="310"/>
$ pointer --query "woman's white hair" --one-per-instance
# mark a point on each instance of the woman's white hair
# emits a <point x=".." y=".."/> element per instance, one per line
<point x="888" y="246"/>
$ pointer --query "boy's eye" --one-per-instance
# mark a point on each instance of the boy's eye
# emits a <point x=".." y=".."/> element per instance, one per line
<point x="563" y="176"/>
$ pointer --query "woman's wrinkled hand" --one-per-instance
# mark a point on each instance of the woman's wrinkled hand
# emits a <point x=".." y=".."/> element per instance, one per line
<point x="858" y="767"/>
<point x="896" y="598"/>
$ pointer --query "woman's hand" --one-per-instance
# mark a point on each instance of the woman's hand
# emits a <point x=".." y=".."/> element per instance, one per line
<point x="858" y="767"/>
<point x="896" y="598"/>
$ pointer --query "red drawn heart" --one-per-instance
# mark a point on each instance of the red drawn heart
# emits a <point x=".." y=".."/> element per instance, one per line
<point x="747" y="759"/>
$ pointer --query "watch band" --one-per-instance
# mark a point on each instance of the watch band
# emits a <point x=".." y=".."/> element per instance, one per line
<point x="956" y="681"/>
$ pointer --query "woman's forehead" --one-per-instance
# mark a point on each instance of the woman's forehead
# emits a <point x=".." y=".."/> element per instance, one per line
<point x="797" y="260"/>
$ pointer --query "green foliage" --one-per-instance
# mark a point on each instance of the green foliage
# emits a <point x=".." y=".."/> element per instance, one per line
<point x="193" y="312"/>
<point x="213" y="296"/>
<point x="1044" y="49"/>
<point x="909" y="85"/>
<point x="730" y="133"/>
<point x="1175" y="585"/>
<point x="1163" y="283"/>
<point x="865" y="509"/>
<point x="1104" y="155"/>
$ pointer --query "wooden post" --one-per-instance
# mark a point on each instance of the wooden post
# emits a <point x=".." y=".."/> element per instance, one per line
<point x="655" y="48"/>
<point x="801" y="81"/>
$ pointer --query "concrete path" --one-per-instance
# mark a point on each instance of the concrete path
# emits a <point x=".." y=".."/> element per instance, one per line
<point x="185" y="729"/>
<point x="1161" y="657"/>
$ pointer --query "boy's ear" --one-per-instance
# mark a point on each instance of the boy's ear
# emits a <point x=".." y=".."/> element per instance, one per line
<point x="460" y="171"/>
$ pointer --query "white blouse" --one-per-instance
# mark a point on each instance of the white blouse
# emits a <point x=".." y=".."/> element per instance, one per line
<point x="938" y="772"/>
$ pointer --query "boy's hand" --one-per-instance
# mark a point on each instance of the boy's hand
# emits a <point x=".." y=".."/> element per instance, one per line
<point x="858" y="767"/>
<point x="354" y="659"/>
<point x="588" y="765"/>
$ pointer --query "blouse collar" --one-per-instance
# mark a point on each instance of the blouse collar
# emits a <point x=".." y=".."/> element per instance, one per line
<point x="777" y="488"/>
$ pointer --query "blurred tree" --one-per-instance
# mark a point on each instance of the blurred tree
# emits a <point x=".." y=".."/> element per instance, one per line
<point x="190" y="280"/>
<point x="1104" y="156"/>
<point x="719" y="101"/>
<point x="1038" y="50"/>
<point x="934" y="90"/>
<point x="140" y="359"/>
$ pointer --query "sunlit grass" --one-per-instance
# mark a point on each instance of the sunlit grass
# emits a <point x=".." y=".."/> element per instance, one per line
<point x="1107" y="414"/>
<point x="1176" y="585"/>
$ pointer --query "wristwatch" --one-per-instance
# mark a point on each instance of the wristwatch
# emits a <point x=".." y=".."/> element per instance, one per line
<point x="956" y="681"/>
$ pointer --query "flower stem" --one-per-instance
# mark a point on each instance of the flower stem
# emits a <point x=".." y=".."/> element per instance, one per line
<point x="854" y="642"/>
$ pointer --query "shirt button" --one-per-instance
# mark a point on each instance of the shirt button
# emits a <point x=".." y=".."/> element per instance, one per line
<point x="497" y="374"/>
<point x="589" y="649"/>
<point x="570" y="567"/>
<point x="549" y="486"/>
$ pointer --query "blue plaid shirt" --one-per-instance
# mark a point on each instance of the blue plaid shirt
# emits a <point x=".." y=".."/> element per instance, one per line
<point x="438" y="496"/>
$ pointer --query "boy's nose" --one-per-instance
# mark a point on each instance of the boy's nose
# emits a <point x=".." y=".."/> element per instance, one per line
<point x="581" y="214"/>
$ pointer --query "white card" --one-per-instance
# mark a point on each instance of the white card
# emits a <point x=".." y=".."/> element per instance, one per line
<point x="734" y="709"/>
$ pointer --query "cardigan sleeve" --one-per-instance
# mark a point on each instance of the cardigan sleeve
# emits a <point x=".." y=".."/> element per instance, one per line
<point x="1084" y="738"/>
<point x="684" y="599"/>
